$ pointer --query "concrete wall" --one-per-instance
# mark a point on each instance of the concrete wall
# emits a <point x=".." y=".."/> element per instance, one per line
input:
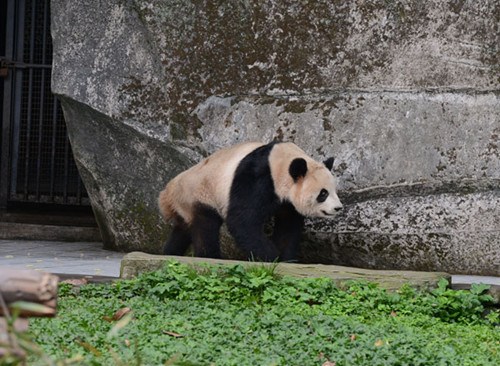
<point x="405" y="94"/>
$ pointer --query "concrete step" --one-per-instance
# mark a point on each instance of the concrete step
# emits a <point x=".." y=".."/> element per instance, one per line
<point x="23" y="231"/>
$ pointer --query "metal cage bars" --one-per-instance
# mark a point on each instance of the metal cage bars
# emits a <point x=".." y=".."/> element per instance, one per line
<point x="37" y="164"/>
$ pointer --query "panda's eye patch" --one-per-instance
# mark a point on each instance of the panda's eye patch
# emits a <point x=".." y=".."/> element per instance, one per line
<point x="322" y="196"/>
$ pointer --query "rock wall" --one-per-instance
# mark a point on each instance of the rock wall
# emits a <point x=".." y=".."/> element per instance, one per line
<point x="405" y="94"/>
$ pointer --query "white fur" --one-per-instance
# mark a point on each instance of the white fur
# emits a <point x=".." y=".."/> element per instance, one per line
<point x="304" y="192"/>
<point x="209" y="182"/>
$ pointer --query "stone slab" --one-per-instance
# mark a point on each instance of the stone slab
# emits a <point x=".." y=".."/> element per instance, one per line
<point x="22" y="231"/>
<point x="136" y="263"/>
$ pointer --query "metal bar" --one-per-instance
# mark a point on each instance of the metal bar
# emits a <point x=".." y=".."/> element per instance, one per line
<point x="23" y="65"/>
<point x="18" y="76"/>
<point x="20" y="117"/>
<point x="39" y="147"/>
<point x="42" y="104"/>
<point x="6" y="125"/>
<point x="30" y="95"/>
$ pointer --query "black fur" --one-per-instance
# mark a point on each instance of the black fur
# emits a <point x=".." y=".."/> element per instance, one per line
<point x="329" y="163"/>
<point x="298" y="168"/>
<point x="203" y="233"/>
<point x="252" y="203"/>
<point x="288" y="225"/>
<point x="179" y="239"/>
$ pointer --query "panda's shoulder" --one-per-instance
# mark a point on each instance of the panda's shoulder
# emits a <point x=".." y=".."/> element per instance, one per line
<point x="256" y="160"/>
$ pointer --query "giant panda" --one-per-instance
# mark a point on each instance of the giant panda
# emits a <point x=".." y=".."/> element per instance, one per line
<point x="245" y="186"/>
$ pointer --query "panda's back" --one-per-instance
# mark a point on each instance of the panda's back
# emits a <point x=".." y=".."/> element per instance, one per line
<point x="209" y="181"/>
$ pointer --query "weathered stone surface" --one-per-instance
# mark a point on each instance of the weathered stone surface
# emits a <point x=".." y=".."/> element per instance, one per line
<point x="378" y="138"/>
<point x="123" y="172"/>
<point x="136" y="263"/>
<point x="404" y="94"/>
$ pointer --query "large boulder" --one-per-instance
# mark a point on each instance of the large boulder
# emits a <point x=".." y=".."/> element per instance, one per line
<point x="404" y="94"/>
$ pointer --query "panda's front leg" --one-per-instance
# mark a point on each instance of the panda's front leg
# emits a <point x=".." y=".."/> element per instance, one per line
<point x="288" y="225"/>
<point x="247" y="230"/>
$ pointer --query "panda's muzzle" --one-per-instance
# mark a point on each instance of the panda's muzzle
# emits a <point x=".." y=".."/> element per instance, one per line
<point x="337" y="209"/>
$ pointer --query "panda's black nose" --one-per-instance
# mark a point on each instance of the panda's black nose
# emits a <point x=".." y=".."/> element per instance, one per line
<point x="338" y="208"/>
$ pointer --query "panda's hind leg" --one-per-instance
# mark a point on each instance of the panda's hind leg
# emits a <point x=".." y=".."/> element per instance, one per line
<point x="179" y="240"/>
<point x="205" y="230"/>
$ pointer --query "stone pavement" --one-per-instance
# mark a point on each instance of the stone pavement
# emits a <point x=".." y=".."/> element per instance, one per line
<point x="88" y="258"/>
<point x="84" y="258"/>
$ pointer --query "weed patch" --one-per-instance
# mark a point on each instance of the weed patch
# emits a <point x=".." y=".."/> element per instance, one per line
<point x="236" y="316"/>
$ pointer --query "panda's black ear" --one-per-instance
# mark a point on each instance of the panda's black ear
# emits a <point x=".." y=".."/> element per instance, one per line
<point x="298" y="168"/>
<point x="329" y="163"/>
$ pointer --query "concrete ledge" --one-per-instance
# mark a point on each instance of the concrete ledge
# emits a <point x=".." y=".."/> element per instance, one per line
<point x="136" y="263"/>
<point x="22" y="231"/>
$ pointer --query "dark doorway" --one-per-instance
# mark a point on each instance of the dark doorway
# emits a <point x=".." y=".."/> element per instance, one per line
<point x="37" y="165"/>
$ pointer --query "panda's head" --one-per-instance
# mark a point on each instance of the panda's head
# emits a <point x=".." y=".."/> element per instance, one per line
<point x="314" y="189"/>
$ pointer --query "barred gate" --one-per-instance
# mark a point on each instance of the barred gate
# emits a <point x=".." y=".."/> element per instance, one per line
<point x="37" y="163"/>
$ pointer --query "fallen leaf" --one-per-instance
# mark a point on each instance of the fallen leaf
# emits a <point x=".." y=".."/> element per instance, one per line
<point x="394" y="314"/>
<point x="89" y="347"/>
<point x="379" y="343"/>
<point x="120" y="313"/>
<point x="173" y="334"/>
<point x="120" y="324"/>
<point x="127" y="342"/>
<point x="329" y="363"/>
<point x="353" y="337"/>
